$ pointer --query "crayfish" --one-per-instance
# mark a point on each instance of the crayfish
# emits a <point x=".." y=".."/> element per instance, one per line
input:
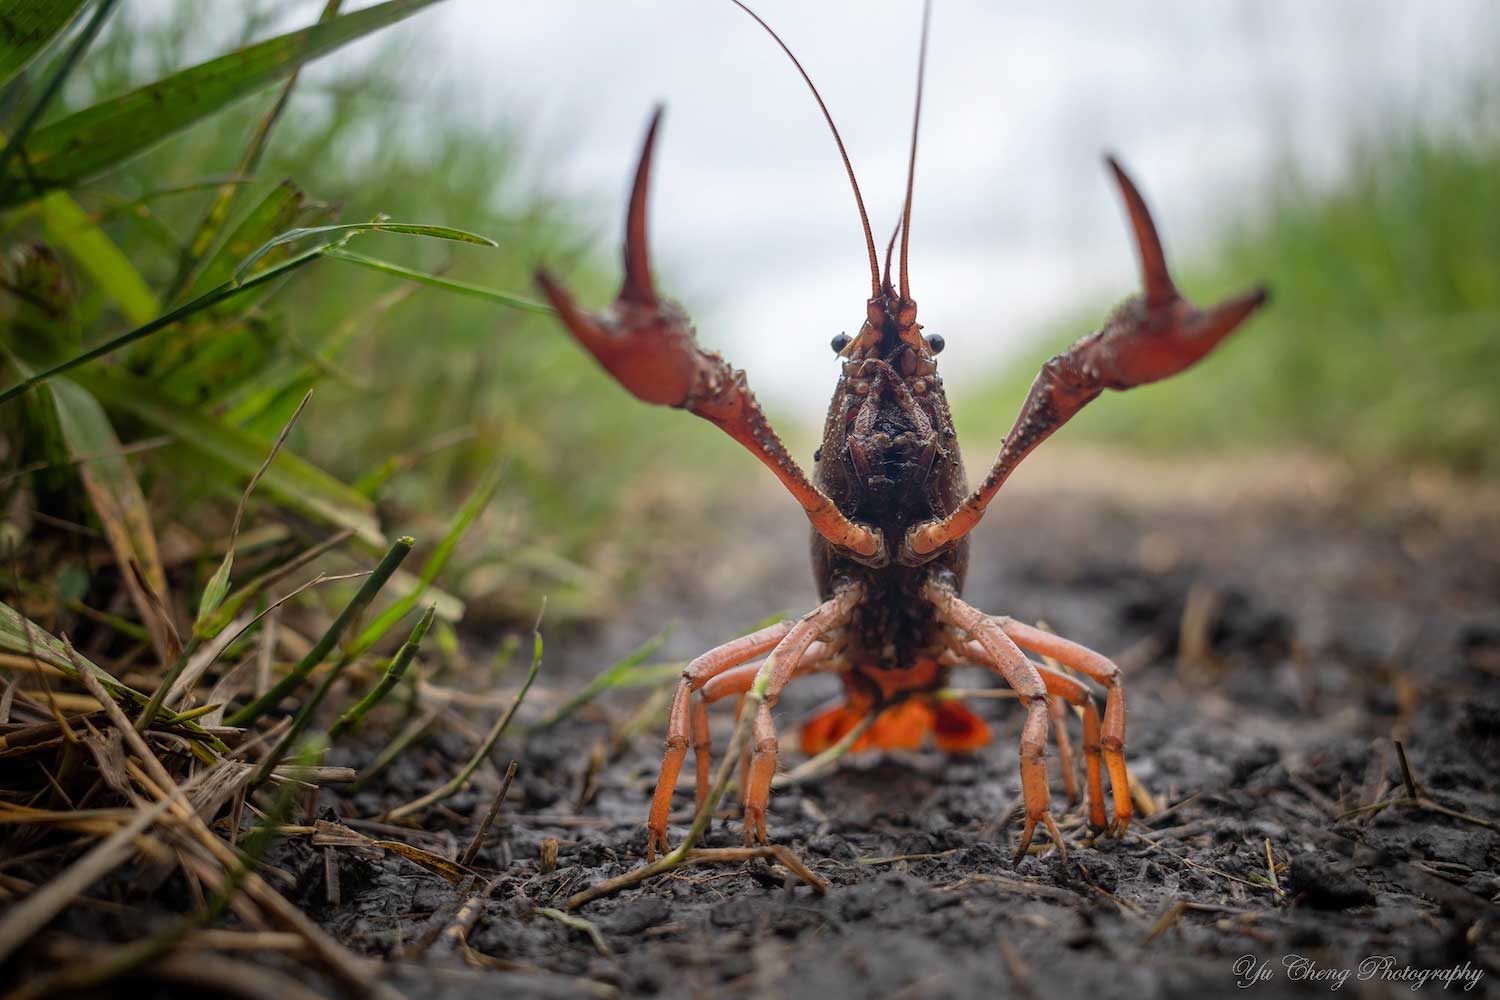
<point x="891" y="512"/>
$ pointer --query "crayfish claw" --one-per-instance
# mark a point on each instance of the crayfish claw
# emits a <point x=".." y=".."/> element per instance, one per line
<point x="646" y="344"/>
<point x="1155" y="278"/>
<point x="1160" y="333"/>
<point x="638" y="287"/>
<point x="648" y="348"/>
<point x="591" y="332"/>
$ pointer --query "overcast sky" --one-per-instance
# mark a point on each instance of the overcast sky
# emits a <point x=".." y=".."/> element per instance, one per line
<point x="1015" y="223"/>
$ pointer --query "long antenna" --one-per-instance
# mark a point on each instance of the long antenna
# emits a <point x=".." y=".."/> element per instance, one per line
<point x="885" y="278"/>
<point x="911" y="166"/>
<point x="864" y="219"/>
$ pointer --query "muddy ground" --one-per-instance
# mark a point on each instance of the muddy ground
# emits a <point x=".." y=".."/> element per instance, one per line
<point x="1279" y="624"/>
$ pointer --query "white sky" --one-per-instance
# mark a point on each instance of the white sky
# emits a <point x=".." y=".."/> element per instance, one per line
<point x="1015" y="223"/>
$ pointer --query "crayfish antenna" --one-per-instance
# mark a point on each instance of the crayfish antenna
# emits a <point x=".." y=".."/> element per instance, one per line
<point x="638" y="287"/>
<point x="1155" y="278"/>
<point x="885" y="281"/>
<point x="911" y="165"/>
<point x="859" y="201"/>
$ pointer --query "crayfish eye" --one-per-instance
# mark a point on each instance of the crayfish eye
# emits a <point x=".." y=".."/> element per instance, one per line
<point x="936" y="343"/>
<point x="839" y="342"/>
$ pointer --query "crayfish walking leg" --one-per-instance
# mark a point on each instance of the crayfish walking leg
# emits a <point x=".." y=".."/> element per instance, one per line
<point x="791" y="645"/>
<point x="1025" y="679"/>
<point x="1100" y="668"/>
<point x="697" y="673"/>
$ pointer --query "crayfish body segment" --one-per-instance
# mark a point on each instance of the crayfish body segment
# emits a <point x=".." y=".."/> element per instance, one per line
<point x="891" y="511"/>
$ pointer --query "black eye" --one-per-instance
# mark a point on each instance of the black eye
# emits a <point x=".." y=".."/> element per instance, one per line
<point x="840" y="342"/>
<point x="936" y="343"/>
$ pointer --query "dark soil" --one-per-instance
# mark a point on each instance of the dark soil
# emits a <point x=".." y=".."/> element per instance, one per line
<point x="1278" y="634"/>
<point x="1276" y="639"/>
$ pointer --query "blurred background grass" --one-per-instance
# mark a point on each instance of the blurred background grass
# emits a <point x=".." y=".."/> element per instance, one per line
<point x="1382" y="342"/>
<point x="419" y="391"/>
<point x="1380" y="347"/>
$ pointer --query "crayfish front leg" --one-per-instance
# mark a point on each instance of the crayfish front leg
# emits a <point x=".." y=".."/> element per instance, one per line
<point x="648" y="345"/>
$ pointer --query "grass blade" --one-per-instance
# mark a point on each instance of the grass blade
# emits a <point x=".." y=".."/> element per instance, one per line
<point x="253" y="238"/>
<point x="284" y="377"/>
<point x="388" y="680"/>
<point x="456" y="784"/>
<point x="434" y="565"/>
<point x="296" y="482"/>
<point x="26" y="26"/>
<point x="351" y="228"/>
<point x="330" y="638"/>
<point x="117" y="499"/>
<point x="70" y="227"/>
<point x="50" y="89"/>
<point x="615" y="676"/>
<point x="218" y="584"/>
<point x="96" y="138"/>
<point x="204" y="301"/>
<point x="217" y="213"/>
<point x="232" y="604"/>
<point x="461" y="287"/>
<point x="235" y="286"/>
<point x="22" y="636"/>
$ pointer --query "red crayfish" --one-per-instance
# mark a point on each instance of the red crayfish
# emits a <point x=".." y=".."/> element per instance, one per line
<point x="891" y="512"/>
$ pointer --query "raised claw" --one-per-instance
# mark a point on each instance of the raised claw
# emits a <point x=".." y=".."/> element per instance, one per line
<point x="1158" y="333"/>
<point x="1151" y="336"/>
<point x="649" y="347"/>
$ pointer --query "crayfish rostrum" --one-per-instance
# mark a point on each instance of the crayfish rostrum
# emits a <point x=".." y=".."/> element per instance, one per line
<point x="891" y="512"/>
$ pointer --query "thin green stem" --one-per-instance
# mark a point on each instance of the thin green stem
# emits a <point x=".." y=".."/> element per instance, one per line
<point x="680" y="854"/>
<point x="388" y="680"/>
<point x="209" y="298"/>
<point x="212" y="223"/>
<point x="148" y="714"/>
<point x="461" y="287"/>
<point x="356" y="606"/>
<point x="458" y="781"/>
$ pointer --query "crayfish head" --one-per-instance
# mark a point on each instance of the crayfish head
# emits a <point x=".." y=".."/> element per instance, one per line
<point x="891" y="333"/>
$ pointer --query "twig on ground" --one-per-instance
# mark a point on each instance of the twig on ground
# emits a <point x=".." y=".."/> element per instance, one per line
<point x="472" y="851"/>
<point x="580" y="924"/>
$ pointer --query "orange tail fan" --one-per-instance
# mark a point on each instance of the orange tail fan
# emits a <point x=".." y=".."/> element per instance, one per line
<point x="956" y="729"/>
<point x="826" y="728"/>
<point x="903" y="726"/>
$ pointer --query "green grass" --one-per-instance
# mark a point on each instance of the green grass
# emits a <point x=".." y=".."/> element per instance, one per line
<point x="1381" y="343"/>
<point x="419" y="392"/>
